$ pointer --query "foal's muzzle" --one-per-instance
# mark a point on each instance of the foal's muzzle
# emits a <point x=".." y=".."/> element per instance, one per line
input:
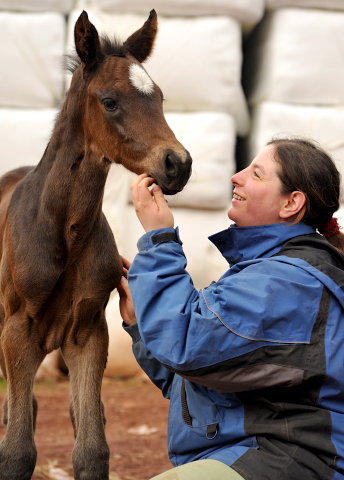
<point x="175" y="172"/>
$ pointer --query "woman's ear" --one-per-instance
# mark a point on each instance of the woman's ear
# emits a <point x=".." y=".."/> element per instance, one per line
<point x="293" y="205"/>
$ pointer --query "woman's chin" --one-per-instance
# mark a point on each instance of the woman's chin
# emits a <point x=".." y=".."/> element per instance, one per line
<point x="234" y="217"/>
<point x="232" y="214"/>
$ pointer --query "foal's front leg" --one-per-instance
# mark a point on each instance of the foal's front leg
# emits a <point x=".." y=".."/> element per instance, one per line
<point x="86" y="363"/>
<point x="34" y="411"/>
<point x="17" y="449"/>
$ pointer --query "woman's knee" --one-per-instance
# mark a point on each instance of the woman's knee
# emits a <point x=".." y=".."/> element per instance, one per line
<point x="200" y="470"/>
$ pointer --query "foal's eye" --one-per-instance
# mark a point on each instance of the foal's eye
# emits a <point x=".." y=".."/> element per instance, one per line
<point x="109" y="105"/>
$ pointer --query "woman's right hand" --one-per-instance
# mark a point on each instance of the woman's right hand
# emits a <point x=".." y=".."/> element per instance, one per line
<point x="150" y="205"/>
<point x="126" y="306"/>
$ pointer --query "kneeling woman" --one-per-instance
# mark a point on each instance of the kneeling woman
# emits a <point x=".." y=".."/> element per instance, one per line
<point x="252" y="364"/>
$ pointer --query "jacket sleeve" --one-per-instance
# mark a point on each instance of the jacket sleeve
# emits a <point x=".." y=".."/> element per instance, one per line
<point x="245" y="331"/>
<point x="158" y="374"/>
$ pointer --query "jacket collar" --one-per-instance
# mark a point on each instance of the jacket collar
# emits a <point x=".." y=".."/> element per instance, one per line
<point x="238" y="244"/>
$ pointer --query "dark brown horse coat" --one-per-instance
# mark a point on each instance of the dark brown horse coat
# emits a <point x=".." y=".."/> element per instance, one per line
<point x="59" y="260"/>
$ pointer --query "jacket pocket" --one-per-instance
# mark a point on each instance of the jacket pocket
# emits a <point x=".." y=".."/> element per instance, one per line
<point x="203" y="421"/>
<point x="202" y="407"/>
<point x="212" y="428"/>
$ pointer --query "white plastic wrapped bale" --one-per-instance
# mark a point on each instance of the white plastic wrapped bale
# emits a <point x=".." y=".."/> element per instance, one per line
<point x="328" y="4"/>
<point x="210" y="139"/>
<point x="246" y="11"/>
<point x="296" y="56"/>
<point x="340" y="216"/>
<point x="115" y="201"/>
<point x="31" y="58"/>
<point x="323" y="124"/>
<point x="121" y="360"/>
<point x="62" y="6"/>
<point x="24" y="135"/>
<point x="196" y="61"/>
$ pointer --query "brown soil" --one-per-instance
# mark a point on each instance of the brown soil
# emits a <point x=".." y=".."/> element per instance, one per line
<point x="135" y="453"/>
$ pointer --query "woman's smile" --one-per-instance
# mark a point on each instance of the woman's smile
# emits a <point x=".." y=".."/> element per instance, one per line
<point x="237" y="197"/>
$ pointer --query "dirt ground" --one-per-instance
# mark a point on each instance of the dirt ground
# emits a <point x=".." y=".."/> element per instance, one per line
<point x="136" y="430"/>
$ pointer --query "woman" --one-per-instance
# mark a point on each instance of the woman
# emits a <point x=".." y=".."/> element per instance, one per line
<point x="253" y="364"/>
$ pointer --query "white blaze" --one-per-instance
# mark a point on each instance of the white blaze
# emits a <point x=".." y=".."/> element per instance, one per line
<point x="140" y="79"/>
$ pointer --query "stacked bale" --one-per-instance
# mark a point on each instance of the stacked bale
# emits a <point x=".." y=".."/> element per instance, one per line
<point x="294" y="72"/>
<point x="31" y="81"/>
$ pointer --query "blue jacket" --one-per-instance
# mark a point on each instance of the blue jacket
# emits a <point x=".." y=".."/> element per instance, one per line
<point x="253" y="365"/>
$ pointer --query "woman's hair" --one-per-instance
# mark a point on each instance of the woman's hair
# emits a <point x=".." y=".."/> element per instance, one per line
<point x="307" y="168"/>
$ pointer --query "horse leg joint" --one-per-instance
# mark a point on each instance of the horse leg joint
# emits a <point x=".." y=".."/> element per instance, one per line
<point x="91" y="464"/>
<point x="17" y="462"/>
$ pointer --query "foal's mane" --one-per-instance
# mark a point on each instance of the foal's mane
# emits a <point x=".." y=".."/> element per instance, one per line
<point x="109" y="47"/>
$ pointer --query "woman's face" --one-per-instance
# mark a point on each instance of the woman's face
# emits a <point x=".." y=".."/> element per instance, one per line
<point x="257" y="198"/>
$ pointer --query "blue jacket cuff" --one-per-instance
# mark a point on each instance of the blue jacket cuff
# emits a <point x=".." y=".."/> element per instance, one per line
<point x="154" y="237"/>
<point x="133" y="331"/>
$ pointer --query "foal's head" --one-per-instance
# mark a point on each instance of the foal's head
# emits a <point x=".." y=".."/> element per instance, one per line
<point x="124" y="120"/>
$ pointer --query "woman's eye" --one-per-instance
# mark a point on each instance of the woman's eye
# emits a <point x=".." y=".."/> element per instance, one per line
<point x="255" y="174"/>
<point x="109" y="105"/>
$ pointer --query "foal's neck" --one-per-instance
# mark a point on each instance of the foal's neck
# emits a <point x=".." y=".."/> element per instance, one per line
<point x="73" y="172"/>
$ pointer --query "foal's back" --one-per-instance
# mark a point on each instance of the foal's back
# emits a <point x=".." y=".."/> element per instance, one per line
<point x="8" y="183"/>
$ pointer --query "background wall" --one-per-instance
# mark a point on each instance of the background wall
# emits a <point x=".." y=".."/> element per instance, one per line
<point x="233" y="73"/>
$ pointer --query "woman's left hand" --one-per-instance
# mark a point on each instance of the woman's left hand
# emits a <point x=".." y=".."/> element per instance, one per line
<point x="126" y="306"/>
<point x="150" y="205"/>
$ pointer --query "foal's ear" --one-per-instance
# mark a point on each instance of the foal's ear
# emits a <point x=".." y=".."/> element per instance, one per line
<point x="140" y="44"/>
<point x="87" y="42"/>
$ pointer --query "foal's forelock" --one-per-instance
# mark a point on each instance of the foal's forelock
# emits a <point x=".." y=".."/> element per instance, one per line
<point x="110" y="48"/>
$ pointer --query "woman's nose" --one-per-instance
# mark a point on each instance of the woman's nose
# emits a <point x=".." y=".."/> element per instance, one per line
<point x="237" y="178"/>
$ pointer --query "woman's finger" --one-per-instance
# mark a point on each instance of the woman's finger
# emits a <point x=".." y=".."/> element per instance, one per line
<point x="126" y="263"/>
<point x="159" y="197"/>
<point x="134" y="185"/>
<point x="144" y="194"/>
<point x="124" y="285"/>
<point x="126" y="305"/>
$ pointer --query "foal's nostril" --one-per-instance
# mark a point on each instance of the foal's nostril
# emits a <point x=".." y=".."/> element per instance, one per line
<point x="171" y="165"/>
<point x="174" y="172"/>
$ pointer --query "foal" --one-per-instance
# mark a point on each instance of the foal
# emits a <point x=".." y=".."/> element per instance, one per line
<point x="59" y="260"/>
